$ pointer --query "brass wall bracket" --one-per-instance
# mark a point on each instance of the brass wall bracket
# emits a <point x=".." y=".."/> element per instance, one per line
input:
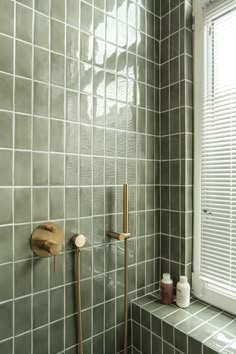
<point x="118" y="236"/>
<point x="47" y="239"/>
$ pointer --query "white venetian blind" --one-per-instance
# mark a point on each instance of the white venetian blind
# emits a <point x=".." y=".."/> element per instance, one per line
<point x="218" y="150"/>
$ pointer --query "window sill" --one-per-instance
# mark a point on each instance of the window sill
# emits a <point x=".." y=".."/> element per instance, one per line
<point x="159" y="328"/>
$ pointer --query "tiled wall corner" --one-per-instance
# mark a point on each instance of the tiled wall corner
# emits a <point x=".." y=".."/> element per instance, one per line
<point x="79" y="116"/>
<point x="176" y="135"/>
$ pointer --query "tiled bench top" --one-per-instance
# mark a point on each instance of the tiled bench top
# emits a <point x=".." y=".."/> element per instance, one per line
<point x="195" y="330"/>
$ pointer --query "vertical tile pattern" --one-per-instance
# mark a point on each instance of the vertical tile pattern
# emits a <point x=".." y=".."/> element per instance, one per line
<point x="176" y="137"/>
<point x="79" y="116"/>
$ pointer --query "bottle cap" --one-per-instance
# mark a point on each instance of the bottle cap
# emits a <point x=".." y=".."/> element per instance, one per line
<point x="166" y="276"/>
<point x="183" y="279"/>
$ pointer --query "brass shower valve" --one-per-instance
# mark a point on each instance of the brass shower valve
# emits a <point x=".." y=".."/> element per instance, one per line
<point x="47" y="240"/>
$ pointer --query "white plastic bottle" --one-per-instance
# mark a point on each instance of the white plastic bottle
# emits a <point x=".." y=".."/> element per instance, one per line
<point x="183" y="292"/>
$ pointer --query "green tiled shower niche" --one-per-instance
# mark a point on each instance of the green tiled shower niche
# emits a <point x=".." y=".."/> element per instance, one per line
<point x="79" y="116"/>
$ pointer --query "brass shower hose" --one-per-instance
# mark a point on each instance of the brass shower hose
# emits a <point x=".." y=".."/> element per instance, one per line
<point x="126" y="297"/>
<point x="80" y="344"/>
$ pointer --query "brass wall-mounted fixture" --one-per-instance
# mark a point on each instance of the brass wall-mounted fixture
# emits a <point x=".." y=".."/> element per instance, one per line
<point x="123" y="236"/>
<point x="47" y="240"/>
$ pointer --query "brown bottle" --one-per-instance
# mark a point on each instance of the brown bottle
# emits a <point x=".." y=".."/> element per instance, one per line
<point x="167" y="290"/>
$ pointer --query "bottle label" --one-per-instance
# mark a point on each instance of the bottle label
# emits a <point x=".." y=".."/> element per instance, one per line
<point x="182" y="297"/>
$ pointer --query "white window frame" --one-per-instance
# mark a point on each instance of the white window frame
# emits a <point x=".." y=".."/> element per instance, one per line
<point x="200" y="288"/>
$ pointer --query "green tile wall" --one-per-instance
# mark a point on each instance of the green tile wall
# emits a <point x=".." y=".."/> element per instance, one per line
<point x="79" y="116"/>
<point x="176" y="138"/>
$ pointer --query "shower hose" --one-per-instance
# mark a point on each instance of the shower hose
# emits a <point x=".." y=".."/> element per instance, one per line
<point x="80" y="343"/>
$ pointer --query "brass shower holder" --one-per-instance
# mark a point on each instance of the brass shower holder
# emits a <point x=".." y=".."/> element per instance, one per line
<point x="47" y="239"/>
<point x="118" y="236"/>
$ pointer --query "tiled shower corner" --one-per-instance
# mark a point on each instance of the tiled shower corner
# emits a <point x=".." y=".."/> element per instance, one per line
<point x="79" y="116"/>
<point x="176" y="138"/>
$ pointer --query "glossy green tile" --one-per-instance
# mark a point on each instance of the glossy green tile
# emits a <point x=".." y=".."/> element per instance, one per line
<point x="23" y="343"/>
<point x="56" y="337"/>
<point x="86" y="319"/>
<point x="41" y="34"/>
<point x="23" y="59"/>
<point x="72" y="138"/>
<point x="42" y="6"/>
<point x="23" y="132"/>
<point x="56" y="203"/>
<point x="6" y="278"/>
<point x="57" y="169"/>
<point x="40" y="99"/>
<point x="57" y="36"/>
<point x="40" y="275"/>
<point x="6" y="241"/>
<point x="24" y="23"/>
<point x="22" y="315"/>
<point x="58" y="9"/>
<point x="71" y="331"/>
<point x="72" y="43"/>
<point x="22" y="170"/>
<point x="6" y="91"/>
<point x="6" y="18"/>
<point x="86" y="263"/>
<point x="22" y="205"/>
<point x="57" y="102"/>
<point x="40" y="204"/>
<point x="6" y="325"/>
<point x="72" y="74"/>
<point x="23" y="90"/>
<point x="86" y="17"/>
<point x="203" y="332"/>
<point x="40" y="340"/>
<point x="23" y="270"/>
<point x="72" y="109"/>
<point x="6" y="131"/>
<point x="40" y="169"/>
<point x="6" y="167"/>
<point x="41" y="64"/>
<point x="73" y="12"/>
<point x="40" y="134"/>
<point x="57" y="69"/>
<point x="98" y="343"/>
<point x="6" y="60"/>
<point x="40" y="301"/>
<point x="56" y="136"/>
<point x="98" y="319"/>
<point x="56" y="304"/>
<point x="70" y="274"/>
<point x="86" y="295"/>
<point x="71" y="170"/>
<point x="71" y="299"/>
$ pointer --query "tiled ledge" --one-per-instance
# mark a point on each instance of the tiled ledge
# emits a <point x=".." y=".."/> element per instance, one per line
<point x="167" y="329"/>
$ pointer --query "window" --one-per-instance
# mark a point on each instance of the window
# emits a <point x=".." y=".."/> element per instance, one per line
<point x="214" y="277"/>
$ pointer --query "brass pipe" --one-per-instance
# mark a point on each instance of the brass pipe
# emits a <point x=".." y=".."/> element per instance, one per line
<point x="125" y="208"/>
<point x="123" y="236"/>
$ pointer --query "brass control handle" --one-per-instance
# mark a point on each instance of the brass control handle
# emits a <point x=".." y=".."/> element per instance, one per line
<point x="52" y="247"/>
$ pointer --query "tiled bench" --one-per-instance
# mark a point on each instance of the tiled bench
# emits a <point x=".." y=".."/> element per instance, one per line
<point x="167" y="329"/>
